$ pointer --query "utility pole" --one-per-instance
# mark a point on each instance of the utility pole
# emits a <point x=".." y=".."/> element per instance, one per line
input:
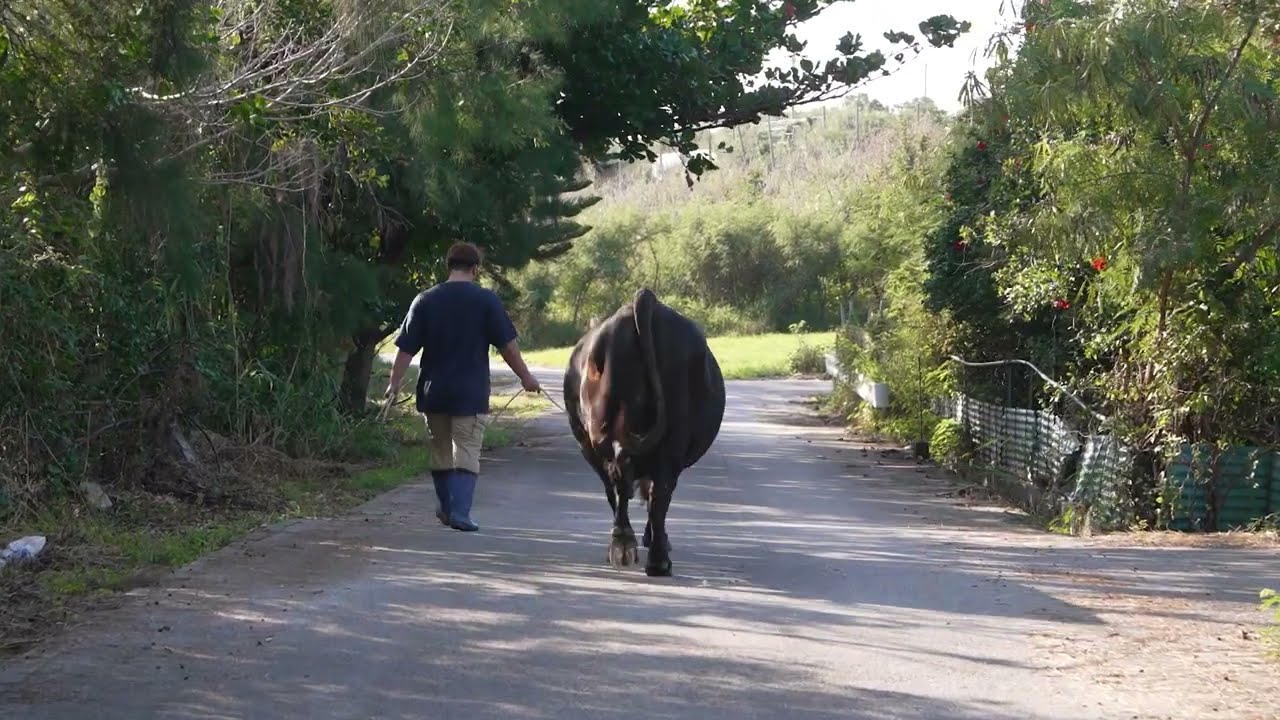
<point x="857" y="123"/>
<point x="926" y="87"/>
<point x="770" y="130"/>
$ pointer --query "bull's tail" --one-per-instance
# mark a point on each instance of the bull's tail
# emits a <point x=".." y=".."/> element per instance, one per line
<point x="645" y="303"/>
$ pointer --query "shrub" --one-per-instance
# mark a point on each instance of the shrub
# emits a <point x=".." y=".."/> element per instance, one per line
<point x="1271" y="604"/>
<point x="949" y="444"/>
<point x="807" y="359"/>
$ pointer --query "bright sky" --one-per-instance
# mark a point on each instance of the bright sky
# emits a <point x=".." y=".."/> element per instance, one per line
<point x="946" y="67"/>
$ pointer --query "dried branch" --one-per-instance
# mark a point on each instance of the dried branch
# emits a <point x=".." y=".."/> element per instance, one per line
<point x="278" y="61"/>
<point x="275" y="70"/>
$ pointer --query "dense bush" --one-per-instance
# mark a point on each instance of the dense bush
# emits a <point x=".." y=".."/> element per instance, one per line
<point x="1109" y="229"/>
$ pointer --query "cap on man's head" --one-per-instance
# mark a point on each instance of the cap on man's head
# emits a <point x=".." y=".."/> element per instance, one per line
<point x="462" y="256"/>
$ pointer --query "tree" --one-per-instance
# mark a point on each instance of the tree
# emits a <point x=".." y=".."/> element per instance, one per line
<point x="1114" y="214"/>
<point x="1158" y="163"/>
<point x="638" y="74"/>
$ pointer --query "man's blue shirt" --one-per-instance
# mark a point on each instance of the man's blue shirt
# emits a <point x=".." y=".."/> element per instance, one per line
<point x="454" y="324"/>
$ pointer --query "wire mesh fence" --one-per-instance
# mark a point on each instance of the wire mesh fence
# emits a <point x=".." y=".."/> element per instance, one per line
<point x="1096" y="476"/>
<point x="1042" y="451"/>
<point x="1207" y="488"/>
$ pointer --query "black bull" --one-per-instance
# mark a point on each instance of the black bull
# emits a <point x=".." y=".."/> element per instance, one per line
<point x="645" y="399"/>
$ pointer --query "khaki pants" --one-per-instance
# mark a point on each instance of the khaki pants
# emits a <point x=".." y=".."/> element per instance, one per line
<point x="456" y="442"/>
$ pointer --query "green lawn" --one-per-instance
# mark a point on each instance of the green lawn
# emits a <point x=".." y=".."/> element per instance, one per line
<point x="741" y="357"/>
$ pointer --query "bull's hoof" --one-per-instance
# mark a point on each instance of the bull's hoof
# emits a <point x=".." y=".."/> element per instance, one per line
<point x="622" y="550"/>
<point x="658" y="567"/>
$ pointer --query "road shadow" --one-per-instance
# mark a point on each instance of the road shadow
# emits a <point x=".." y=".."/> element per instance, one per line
<point x="436" y="632"/>
<point x="813" y="580"/>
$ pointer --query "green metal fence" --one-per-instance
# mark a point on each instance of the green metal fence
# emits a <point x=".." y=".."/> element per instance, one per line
<point x="1217" y="489"/>
<point x="1210" y="489"/>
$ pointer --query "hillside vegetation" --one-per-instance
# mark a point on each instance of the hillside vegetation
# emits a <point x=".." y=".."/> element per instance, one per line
<point x="780" y="234"/>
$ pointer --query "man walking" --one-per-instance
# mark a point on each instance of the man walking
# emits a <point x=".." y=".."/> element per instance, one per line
<point x="453" y="324"/>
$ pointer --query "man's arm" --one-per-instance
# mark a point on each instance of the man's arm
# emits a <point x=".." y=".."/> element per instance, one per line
<point x="511" y="354"/>
<point x="502" y="335"/>
<point x="397" y="373"/>
<point x="409" y="341"/>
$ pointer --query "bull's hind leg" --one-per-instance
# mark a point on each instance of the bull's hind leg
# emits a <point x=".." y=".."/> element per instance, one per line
<point x="623" y="550"/>
<point x="646" y="493"/>
<point x="646" y="490"/>
<point x="604" y="478"/>
<point x="622" y="540"/>
<point x="658" y="562"/>
<point x="647" y="539"/>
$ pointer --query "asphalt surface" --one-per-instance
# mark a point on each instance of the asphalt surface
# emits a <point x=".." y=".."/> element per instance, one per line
<point x="812" y="580"/>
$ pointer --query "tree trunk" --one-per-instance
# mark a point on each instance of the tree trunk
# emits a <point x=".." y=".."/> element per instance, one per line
<point x="358" y="371"/>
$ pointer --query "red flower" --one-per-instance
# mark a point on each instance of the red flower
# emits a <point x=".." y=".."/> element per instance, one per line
<point x="1099" y="263"/>
<point x="1061" y="304"/>
<point x="982" y="145"/>
<point x="960" y="245"/>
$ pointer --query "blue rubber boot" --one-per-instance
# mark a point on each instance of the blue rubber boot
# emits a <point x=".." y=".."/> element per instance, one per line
<point x="462" y="488"/>
<point x="441" y="480"/>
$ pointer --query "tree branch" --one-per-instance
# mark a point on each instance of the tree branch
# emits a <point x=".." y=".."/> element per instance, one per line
<point x="1202" y="123"/>
<point x="295" y="78"/>
<point x="1246" y="254"/>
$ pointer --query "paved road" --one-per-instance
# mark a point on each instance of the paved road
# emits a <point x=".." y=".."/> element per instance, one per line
<point x="813" y="580"/>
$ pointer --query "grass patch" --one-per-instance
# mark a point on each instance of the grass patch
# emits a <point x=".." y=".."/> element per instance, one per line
<point x="1269" y="602"/>
<point x="94" y="554"/>
<point x="741" y="357"/>
<point x="502" y="406"/>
